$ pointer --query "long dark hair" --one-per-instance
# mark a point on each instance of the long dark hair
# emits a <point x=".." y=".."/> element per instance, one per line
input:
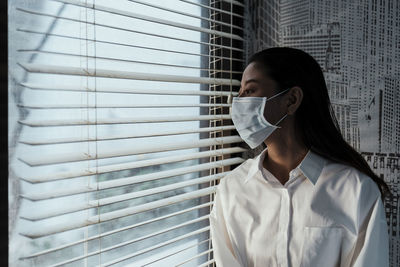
<point x="315" y="119"/>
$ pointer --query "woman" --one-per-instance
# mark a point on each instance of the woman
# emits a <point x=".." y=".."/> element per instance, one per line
<point x="309" y="199"/>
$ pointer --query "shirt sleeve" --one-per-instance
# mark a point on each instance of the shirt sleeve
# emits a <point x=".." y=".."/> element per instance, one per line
<point x="222" y="246"/>
<point x="372" y="246"/>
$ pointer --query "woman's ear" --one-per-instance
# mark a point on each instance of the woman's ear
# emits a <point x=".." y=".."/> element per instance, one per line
<point x="294" y="98"/>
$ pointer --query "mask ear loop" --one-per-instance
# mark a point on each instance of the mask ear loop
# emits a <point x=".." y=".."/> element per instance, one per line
<point x="277" y="94"/>
<point x="276" y="124"/>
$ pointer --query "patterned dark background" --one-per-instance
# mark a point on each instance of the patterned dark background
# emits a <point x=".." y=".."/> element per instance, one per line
<point x="357" y="44"/>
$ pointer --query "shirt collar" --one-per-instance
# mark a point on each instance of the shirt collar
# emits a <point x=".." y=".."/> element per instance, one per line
<point x="311" y="166"/>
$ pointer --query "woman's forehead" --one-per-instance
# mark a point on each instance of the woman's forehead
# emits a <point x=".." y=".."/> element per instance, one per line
<point x="255" y="73"/>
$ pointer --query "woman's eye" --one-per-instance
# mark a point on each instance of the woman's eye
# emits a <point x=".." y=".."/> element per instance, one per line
<point x="248" y="91"/>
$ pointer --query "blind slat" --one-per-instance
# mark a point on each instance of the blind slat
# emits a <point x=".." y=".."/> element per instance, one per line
<point x="79" y="222"/>
<point x="173" y="253"/>
<point x="186" y="14"/>
<point x="118" y="60"/>
<point x="119" y="120"/>
<point x="130" y="180"/>
<point x="152" y="205"/>
<point x="119" y="137"/>
<point x="42" y="178"/>
<point x="127" y="45"/>
<point x="127" y="30"/>
<point x="169" y="173"/>
<point x="194" y="257"/>
<point x="149" y="18"/>
<point x="63" y="87"/>
<point x="207" y="263"/>
<point x="129" y="227"/>
<point x="41" y="215"/>
<point x="213" y="8"/>
<point x="126" y="151"/>
<point x="196" y="232"/>
<point x="108" y="73"/>
<point x="234" y="2"/>
<point x="122" y="244"/>
<point x="93" y="106"/>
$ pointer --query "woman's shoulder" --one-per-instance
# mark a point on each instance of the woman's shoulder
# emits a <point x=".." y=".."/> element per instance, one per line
<point x="233" y="180"/>
<point x="345" y="176"/>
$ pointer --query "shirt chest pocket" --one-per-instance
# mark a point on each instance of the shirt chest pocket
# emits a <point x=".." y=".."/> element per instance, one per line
<point x="321" y="246"/>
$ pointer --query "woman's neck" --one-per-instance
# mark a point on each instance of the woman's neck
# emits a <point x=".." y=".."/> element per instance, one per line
<point x="283" y="155"/>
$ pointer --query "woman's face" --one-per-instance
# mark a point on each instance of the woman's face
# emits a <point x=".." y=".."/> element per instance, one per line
<point x="255" y="83"/>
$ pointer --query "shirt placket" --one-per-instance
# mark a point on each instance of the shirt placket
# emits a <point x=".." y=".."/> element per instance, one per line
<point x="283" y="232"/>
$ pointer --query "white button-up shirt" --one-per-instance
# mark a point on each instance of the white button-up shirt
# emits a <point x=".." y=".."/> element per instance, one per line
<point x="327" y="214"/>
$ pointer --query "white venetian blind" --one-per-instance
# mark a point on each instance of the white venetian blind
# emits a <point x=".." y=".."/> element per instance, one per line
<point x="124" y="129"/>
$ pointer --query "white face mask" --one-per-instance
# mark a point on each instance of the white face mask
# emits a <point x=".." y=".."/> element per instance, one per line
<point x="248" y="118"/>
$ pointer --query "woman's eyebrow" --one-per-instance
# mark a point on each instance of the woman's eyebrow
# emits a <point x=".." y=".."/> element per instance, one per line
<point x="246" y="82"/>
<point x="251" y="80"/>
